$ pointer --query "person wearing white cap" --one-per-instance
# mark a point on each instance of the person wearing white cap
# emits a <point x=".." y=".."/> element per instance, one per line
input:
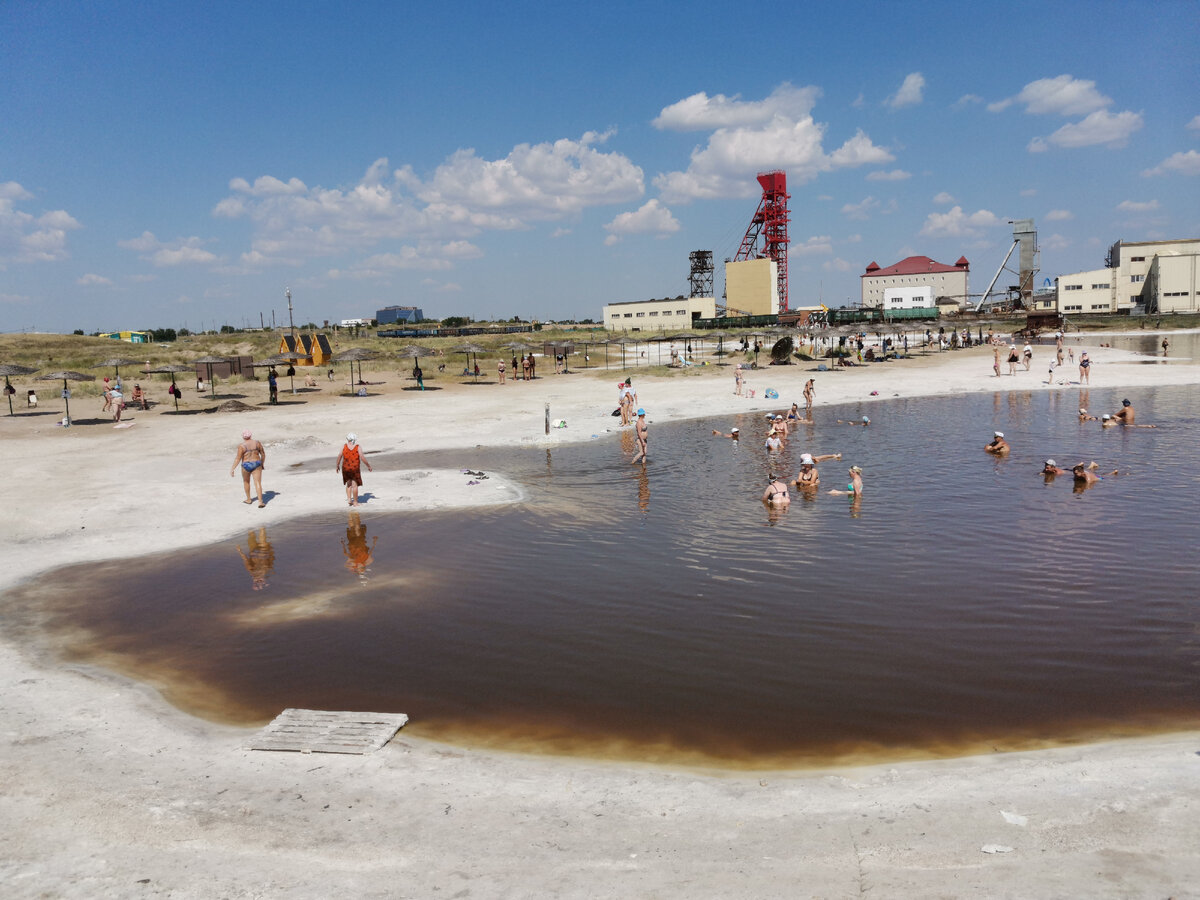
<point x="998" y="446"/>
<point x="733" y="434"/>
<point x="1084" y="417"/>
<point x="808" y="476"/>
<point x="348" y="462"/>
<point x="1051" y="469"/>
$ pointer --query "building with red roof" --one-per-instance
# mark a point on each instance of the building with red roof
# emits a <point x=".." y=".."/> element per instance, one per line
<point x="915" y="280"/>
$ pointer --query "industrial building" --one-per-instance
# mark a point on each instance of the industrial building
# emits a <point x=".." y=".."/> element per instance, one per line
<point x="916" y="277"/>
<point x="390" y="315"/>
<point x="658" y="315"/>
<point x="1153" y="277"/>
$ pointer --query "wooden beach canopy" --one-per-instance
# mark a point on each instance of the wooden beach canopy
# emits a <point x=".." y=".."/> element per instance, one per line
<point x="116" y="362"/>
<point x="171" y="369"/>
<point x="208" y="362"/>
<point x="470" y="350"/>
<point x="352" y="356"/>
<point x="8" y="369"/>
<point x="66" y="376"/>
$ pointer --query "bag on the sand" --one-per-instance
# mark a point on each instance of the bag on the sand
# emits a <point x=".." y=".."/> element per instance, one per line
<point x="617" y="411"/>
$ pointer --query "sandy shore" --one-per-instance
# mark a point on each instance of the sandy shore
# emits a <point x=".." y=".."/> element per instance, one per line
<point x="111" y="792"/>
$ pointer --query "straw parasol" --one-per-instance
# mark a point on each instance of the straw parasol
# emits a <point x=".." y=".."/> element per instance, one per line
<point x="352" y="356"/>
<point x="66" y="376"/>
<point x="171" y="369"/>
<point x="470" y="350"/>
<point x="291" y="356"/>
<point x="210" y="361"/>
<point x="13" y="369"/>
<point x="116" y="362"/>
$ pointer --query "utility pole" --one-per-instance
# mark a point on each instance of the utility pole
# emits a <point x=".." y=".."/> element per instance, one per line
<point x="291" y="323"/>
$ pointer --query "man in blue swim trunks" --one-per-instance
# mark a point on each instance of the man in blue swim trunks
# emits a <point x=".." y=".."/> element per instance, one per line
<point x="252" y="458"/>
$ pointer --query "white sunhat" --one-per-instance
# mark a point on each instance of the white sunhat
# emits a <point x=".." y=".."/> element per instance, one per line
<point x="351" y="438"/>
<point x="999" y="434"/>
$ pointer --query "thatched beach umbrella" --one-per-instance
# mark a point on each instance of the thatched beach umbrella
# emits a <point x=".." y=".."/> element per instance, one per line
<point x="470" y="350"/>
<point x="415" y="352"/>
<point x="171" y="369"/>
<point x="116" y="362"/>
<point x="352" y="356"/>
<point x="291" y="356"/>
<point x="66" y="394"/>
<point x="13" y="369"/>
<point x="210" y="361"/>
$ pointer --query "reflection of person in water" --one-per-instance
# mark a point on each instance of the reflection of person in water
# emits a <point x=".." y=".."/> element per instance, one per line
<point x="358" y="554"/>
<point x="260" y="561"/>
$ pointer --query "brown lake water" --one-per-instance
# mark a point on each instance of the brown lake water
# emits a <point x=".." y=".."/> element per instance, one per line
<point x="660" y="613"/>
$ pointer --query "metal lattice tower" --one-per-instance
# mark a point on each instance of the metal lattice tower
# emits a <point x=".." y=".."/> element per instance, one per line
<point x="771" y="221"/>
<point x="700" y="280"/>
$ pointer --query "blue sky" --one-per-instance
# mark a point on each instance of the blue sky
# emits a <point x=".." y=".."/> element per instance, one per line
<point x="168" y="165"/>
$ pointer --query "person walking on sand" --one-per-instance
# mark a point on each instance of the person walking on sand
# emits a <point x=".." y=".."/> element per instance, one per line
<point x="810" y="391"/>
<point x="737" y="380"/>
<point x="996" y="359"/>
<point x="1027" y="355"/>
<point x="998" y="446"/>
<point x="348" y="462"/>
<point x="1012" y="359"/>
<point x="1085" y="368"/>
<point x="252" y="457"/>
<point x="643" y="436"/>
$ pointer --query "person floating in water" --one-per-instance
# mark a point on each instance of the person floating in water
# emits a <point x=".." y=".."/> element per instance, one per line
<point x="1084" y="417"/>
<point x="998" y="446"/>
<point x="252" y="457"/>
<point x="864" y="422"/>
<point x="733" y="434"/>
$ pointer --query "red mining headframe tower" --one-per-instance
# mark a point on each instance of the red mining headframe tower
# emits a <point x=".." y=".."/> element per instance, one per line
<point x="771" y="221"/>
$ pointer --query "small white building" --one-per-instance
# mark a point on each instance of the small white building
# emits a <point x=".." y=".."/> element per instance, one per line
<point x="658" y="315"/>
<point x="912" y="273"/>
<point x="908" y="298"/>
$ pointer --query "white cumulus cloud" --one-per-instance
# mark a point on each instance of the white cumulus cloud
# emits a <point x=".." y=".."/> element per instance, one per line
<point x="650" y="218"/>
<point x="1178" y="163"/>
<point x="25" y="237"/>
<point x="93" y="279"/>
<point x="1099" y="128"/>
<point x="893" y="175"/>
<point x="861" y="210"/>
<point x="956" y="223"/>
<point x="1063" y="95"/>
<point x="910" y="93"/>
<point x="814" y="246"/>
<point x="943" y="197"/>
<point x="180" y="251"/>
<point x="1059" y="215"/>
<point x="700" y="112"/>
<point x="1137" y="205"/>
<point x="747" y="142"/>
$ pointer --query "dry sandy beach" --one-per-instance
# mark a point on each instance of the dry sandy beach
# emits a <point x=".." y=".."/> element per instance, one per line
<point x="111" y="792"/>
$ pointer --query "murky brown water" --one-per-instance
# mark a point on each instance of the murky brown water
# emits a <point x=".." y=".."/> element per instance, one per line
<point x="651" y="613"/>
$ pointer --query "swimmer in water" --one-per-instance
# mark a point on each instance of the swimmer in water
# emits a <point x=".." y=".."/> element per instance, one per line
<point x="864" y="422"/>
<point x="776" y="493"/>
<point x="998" y="446"/>
<point x="733" y="434"/>
<point x="855" y="487"/>
<point x="1084" y="417"/>
<point x="1050" y="470"/>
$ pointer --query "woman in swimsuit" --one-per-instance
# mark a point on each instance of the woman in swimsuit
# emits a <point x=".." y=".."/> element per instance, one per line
<point x="253" y="459"/>
<point x="855" y="488"/>
<point x="1085" y="365"/>
<point x="808" y="476"/>
<point x="776" y="493"/>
